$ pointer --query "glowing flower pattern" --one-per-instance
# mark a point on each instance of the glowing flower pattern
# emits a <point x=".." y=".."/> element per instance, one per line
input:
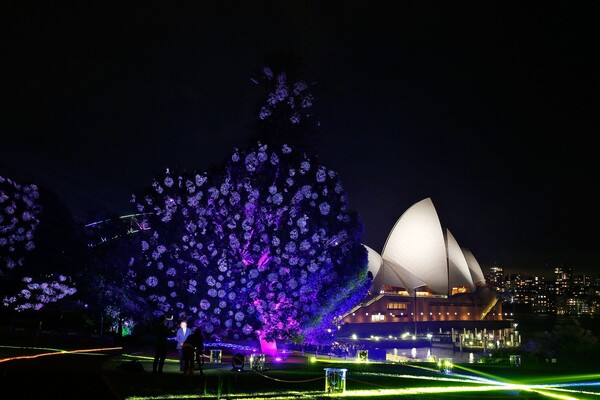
<point x="261" y="254"/>
<point x="19" y="219"/>
<point x="19" y="210"/>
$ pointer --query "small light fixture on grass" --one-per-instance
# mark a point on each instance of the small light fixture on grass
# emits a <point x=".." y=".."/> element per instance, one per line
<point x="237" y="362"/>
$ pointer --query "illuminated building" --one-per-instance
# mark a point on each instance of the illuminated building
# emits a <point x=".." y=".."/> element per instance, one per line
<point x="495" y="278"/>
<point x="424" y="277"/>
<point x="563" y="280"/>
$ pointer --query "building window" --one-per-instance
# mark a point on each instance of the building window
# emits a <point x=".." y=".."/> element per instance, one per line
<point x="394" y="305"/>
<point x="377" y="317"/>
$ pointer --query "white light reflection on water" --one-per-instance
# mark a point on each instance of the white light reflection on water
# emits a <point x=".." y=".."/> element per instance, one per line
<point x="425" y="353"/>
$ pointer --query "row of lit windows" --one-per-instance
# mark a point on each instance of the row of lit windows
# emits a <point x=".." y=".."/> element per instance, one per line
<point x="381" y="317"/>
<point x="439" y="313"/>
<point x="396" y="306"/>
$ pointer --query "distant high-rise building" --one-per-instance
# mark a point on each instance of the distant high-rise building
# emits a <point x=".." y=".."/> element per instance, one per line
<point x="540" y="300"/>
<point x="563" y="280"/>
<point x="495" y="278"/>
<point x="582" y="285"/>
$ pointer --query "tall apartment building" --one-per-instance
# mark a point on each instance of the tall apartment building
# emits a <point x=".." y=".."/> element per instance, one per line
<point x="495" y="277"/>
<point x="563" y="280"/>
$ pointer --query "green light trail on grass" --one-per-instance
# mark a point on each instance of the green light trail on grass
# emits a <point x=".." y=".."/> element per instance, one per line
<point x="420" y="391"/>
<point x="475" y="386"/>
<point x="560" y="387"/>
<point x="478" y="382"/>
<point x="568" y="378"/>
<point x="548" y="387"/>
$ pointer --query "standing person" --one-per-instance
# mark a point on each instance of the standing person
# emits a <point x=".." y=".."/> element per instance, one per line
<point x="190" y="347"/>
<point x="197" y="341"/>
<point x="200" y="350"/>
<point x="182" y="334"/>
<point x="161" y="345"/>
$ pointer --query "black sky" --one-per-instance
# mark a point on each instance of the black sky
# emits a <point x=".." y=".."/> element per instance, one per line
<point x="489" y="108"/>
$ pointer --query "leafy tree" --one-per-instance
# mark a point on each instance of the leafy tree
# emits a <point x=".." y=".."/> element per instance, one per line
<point x="105" y="284"/>
<point x="567" y="341"/>
<point x="29" y="273"/>
<point x="268" y="246"/>
<point x="285" y="112"/>
<point x="19" y="212"/>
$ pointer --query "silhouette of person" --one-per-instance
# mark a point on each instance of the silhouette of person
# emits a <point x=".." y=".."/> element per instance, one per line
<point x="191" y="346"/>
<point x="198" y="342"/>
<point x="200" y="350"/>
<point x="161" y="345"/>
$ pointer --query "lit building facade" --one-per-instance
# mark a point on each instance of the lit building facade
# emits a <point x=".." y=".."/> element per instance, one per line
<point x="403" y="308"/>
<point x="563" y="280"/>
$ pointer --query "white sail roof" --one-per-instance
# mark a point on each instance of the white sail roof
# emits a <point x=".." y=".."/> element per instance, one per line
<point x="417" y="253"/>
<point x="375" y="263"/>
<point x="474" y="267"/>
<point x="458" y="268"/>
<point x="417" y="249"/>
<point x="395" y="275"/>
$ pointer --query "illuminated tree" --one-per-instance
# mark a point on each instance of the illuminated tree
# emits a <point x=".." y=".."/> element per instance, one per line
<point x="265" y="247"/>
<point x="19" y="211"/>
<point x="285" y="110"/>
<point x="23" y="287"/>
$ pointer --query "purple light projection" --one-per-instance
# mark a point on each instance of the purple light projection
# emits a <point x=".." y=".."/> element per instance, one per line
<point x="266" y="247"/>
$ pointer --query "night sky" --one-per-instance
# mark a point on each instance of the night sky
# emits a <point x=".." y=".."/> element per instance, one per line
<point x="489" y="108"/>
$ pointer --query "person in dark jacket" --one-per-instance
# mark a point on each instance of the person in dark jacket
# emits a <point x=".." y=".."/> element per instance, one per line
<point x="191" y="346"/>
<point x="200" y="351"/>
<point x="161" y="345"/>
<point x="182" y="334"/>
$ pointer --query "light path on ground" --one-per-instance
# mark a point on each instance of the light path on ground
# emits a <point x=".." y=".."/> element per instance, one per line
<point x="52" y="352"/>
<point x="561" y="387"/>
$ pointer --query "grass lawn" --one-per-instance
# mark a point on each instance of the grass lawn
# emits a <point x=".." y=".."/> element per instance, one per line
<point x="299" y="378"/>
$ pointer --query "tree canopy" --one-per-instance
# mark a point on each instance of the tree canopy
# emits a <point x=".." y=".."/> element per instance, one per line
<point x="265" y="247"/>
<point x="31" y="276"/>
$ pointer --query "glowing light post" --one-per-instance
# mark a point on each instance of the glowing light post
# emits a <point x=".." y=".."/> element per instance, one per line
<point x="430" y="337"/>
<point x="331" y="348"/>
<point x="257" y="362"/>
<point x="215" y="356"/>
<point x="335" y="380"/>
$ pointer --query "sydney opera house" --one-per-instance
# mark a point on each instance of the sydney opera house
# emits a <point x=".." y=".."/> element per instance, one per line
<point x="424" y="278"/>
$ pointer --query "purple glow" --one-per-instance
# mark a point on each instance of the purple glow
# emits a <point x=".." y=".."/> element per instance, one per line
<point x="269" y="261"/>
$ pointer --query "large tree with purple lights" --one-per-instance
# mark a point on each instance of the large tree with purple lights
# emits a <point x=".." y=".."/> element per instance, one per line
<point x="265" y="247"/>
